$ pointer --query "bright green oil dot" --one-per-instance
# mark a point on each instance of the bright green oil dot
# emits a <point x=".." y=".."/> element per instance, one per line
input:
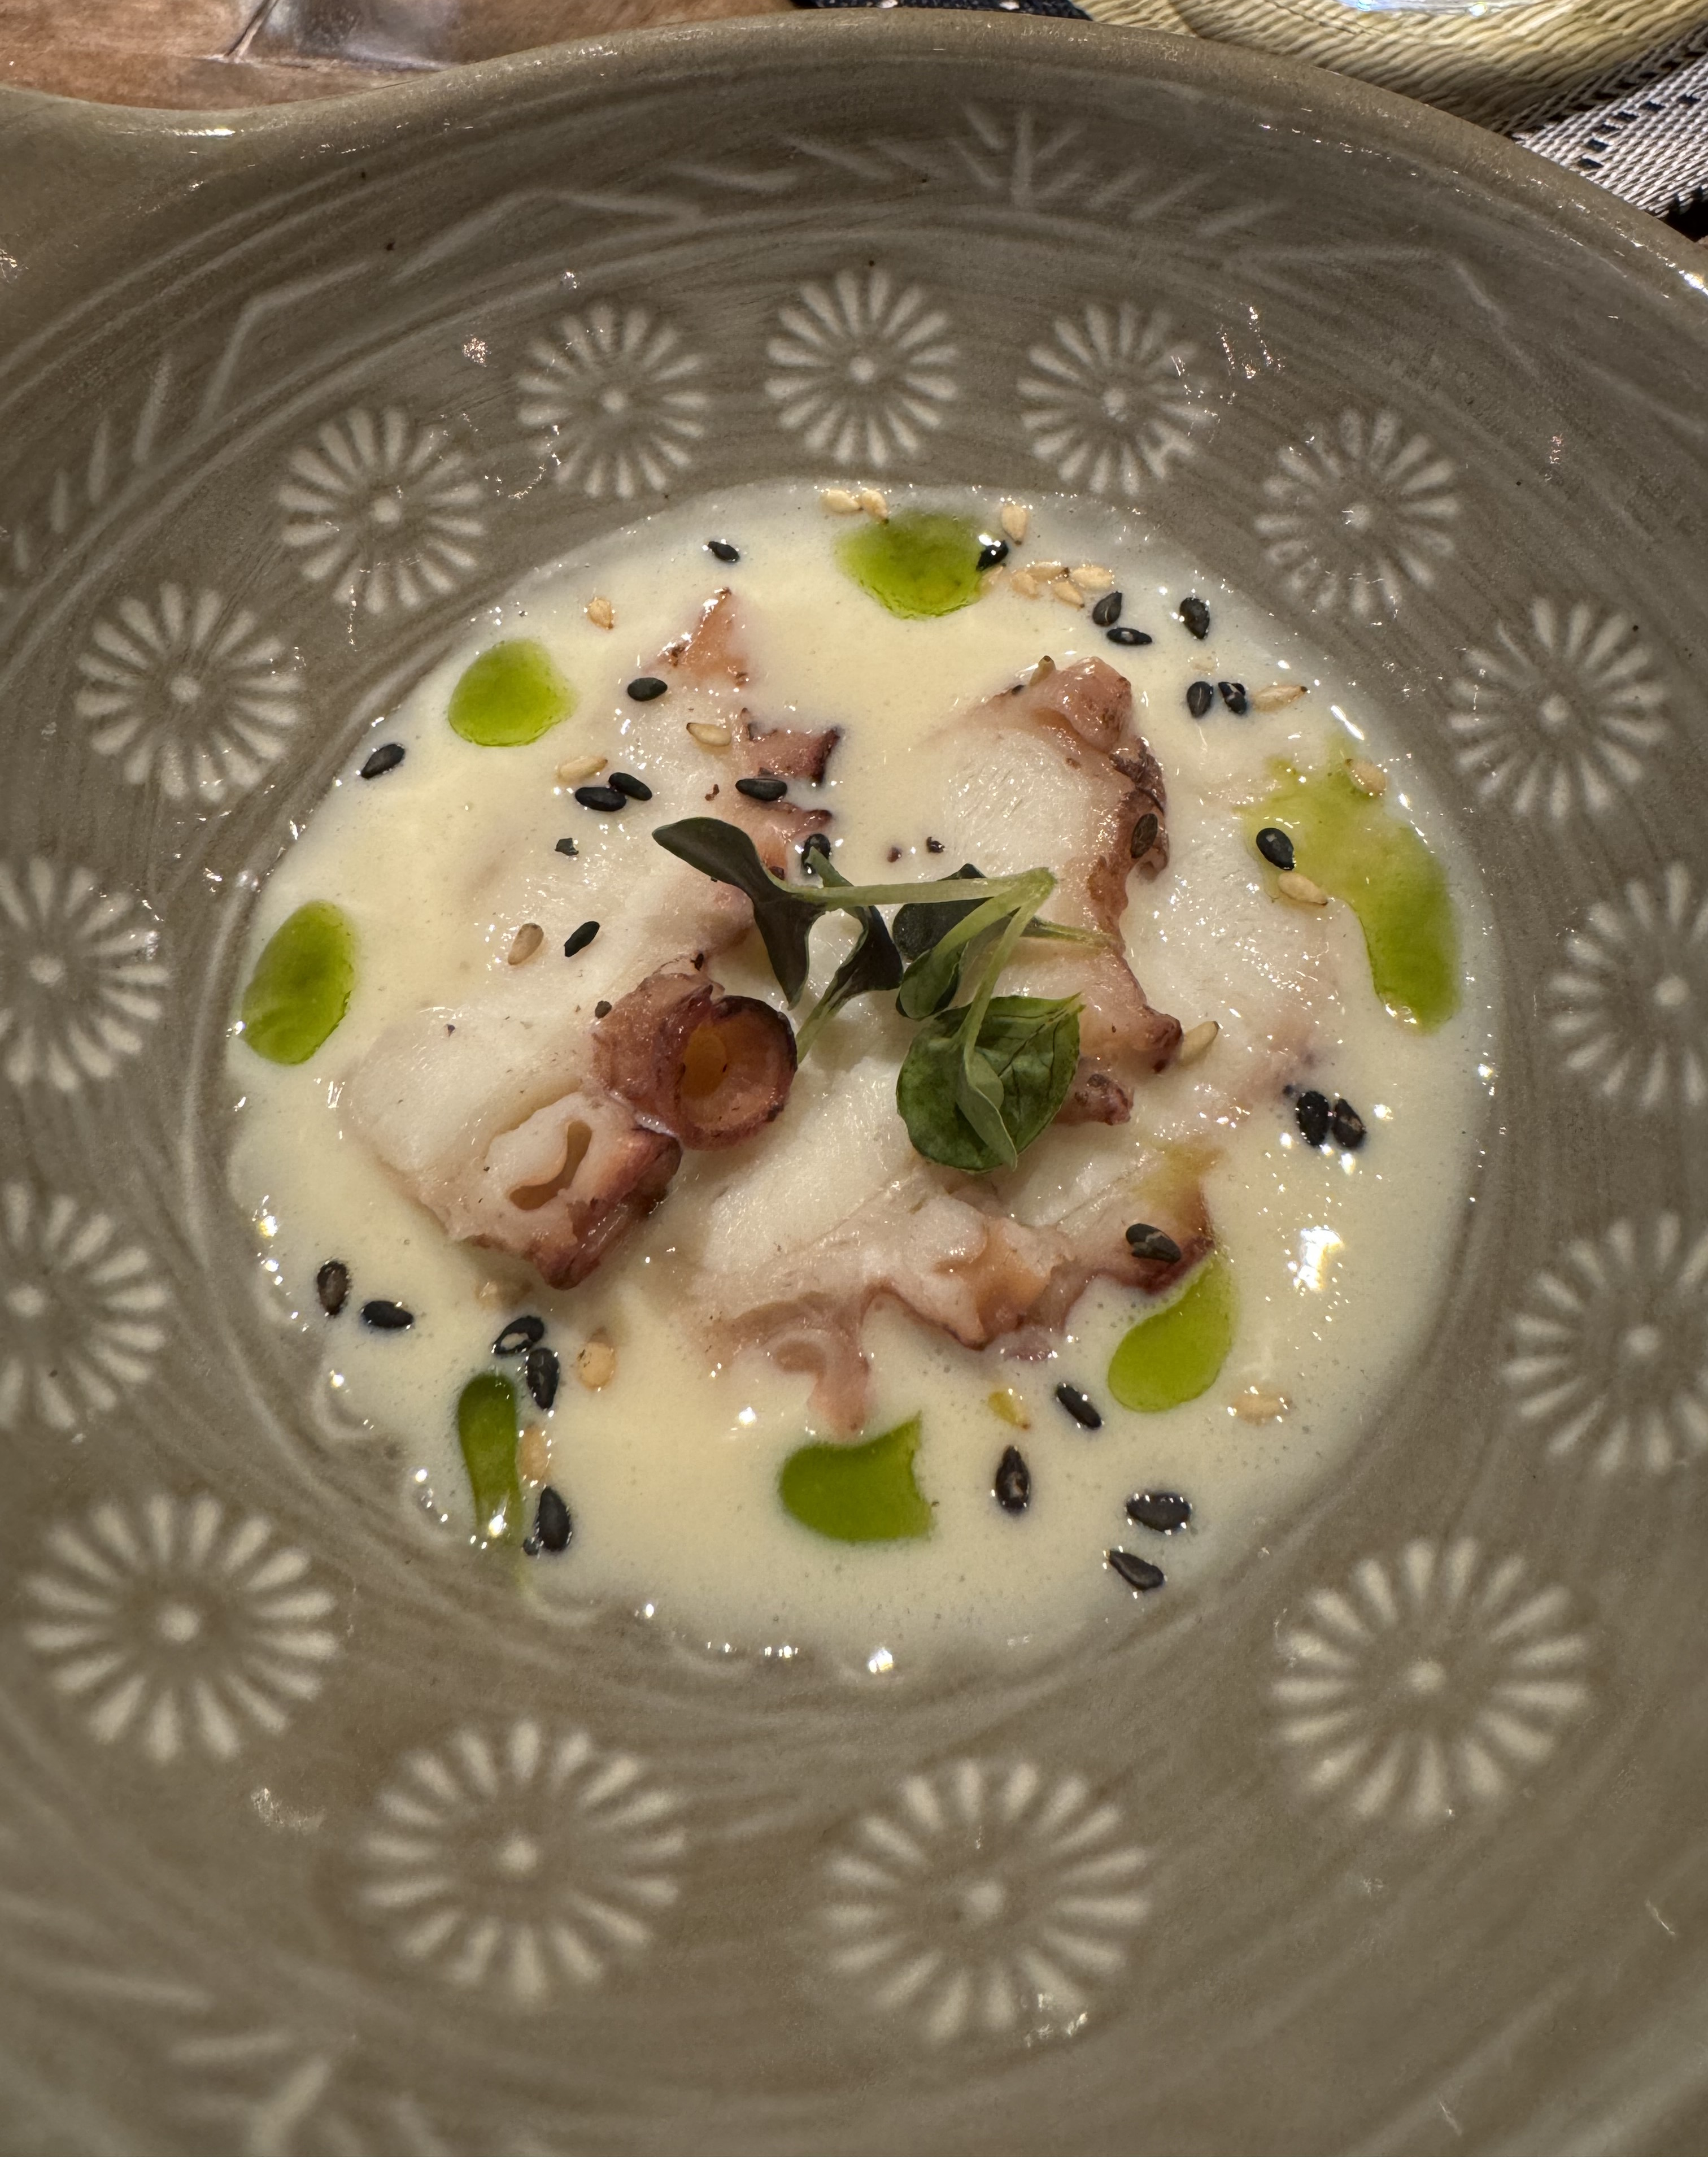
<point x="511" y="694"/>
<point x="486" y="1426"/>
<point x="1344" y="840"/>
<point x="1179" y="1353"/>
<point x="301" y="986"/>
<point x="858" y="1493"/>
<point x="920" y="563"/>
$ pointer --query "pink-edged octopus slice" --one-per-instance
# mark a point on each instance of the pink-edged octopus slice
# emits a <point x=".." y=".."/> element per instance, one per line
<point x="546" y="1111"/>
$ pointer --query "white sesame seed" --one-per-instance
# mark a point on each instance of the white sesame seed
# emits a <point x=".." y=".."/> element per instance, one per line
<point x="573" y="770"/>
<point x="1047" y="571"/>
<point x="1091" y="577"/>
<point x="874" y="504"/>
<point x="708" y="735"/>
<point x="1197" y="1041"/>
<point x="992" y="580"/>
<point x="527" y="941"/>
<point x="1007" y="1403"/>
<point x="1065" y="590"/>
<point x="1024" y="585"/>
<point x="596" y="1365"/>
<point x="490" y="1293"/>
<point x="1260" y="1404"/>
<point x="533" y="1455"/>
<point x="1292" y="884"/>
<point x="601" y="613"/>
<point x="1277" y="696"/>
<point x="1015" y="518"/>
<point x="1368" y="777"/>
<point x="1043" y="672"/>
<point x="840" y="501"/>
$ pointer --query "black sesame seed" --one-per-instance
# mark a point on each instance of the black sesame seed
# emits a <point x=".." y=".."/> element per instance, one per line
<point x="564" y="847"/>
<point x="625" y="782"/>
<point x="602" y="1009"/>
<point x="1314" y="1116"/>
<point x="1145" y="1242"/>
<point x="552" y="1526"/>
<point x="1145" y="833"/>
<point x="815" y="842"/>
<point x="767" y="787"/>
<point x="387" y="1317"/>
<point x="386" y="758"/>
<point x="991" y="553"/>
<point x="1233" y="695"/>
<point x="331" y="1284"/>
<point x="580" y="939"/>
<point x="1199" y="697"/>
<point x="1079" y="1406"/>
<point x="600" y="797"/>
<point x="933" y="845"/>
<point x="541" y="1373"/>
<point x="1275" y="847"/>
<point x="521" y="1334"/>
<point x="1164" y="1510"/>
<point x="1197" y="617"/>
<point x="1139" y="1572"/>
<point x="1347" y="1126"/>
<point x="645" y="687"/>
<point x="1013" y="1489"/>
<point x="1107" y="610"/>
<point x="1129" y="637"/>
<point x="723" y="549"/>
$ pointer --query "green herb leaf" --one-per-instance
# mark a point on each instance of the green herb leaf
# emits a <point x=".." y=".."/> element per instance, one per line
<point x="785" y="917"/>
<point x="918" y="925"/>
<point x="486" y="1429"/>
<point x="873" y="964"/>
<point x="300" y="990"/>
<point x="1017" y="1068"/>
<point x="858" y="1493"/>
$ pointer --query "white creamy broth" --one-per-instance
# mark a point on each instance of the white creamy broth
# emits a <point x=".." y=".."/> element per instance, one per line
<point x="670" y="1471"/>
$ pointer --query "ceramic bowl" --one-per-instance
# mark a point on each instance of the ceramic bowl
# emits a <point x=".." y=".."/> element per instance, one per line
<point x="313" y="1839"/>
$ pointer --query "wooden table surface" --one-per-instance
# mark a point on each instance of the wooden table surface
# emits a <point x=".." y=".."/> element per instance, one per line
<point x="201" y="55"/>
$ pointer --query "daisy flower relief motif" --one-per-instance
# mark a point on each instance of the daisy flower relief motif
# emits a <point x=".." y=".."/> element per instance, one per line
<point x="1561" y="714"/>
<point x="1630" y="1006"/>
<point x="864" y="368"/>
<point x="521" y="1861"/>
<point x="189" y="690"/>
<point x="384" y="513"/>
<point x="989" y="1898"/>
<point x="1357" y="511"/>
<point x="616" y="402"/>
<point x="179" y="1624"/>
<point x="1610" y="1356"/>
<point x="82" y="1312"/>
<point x="81" y="977"/>
<point x="1107" y="404"/>
<point x="1430" y="1684"/>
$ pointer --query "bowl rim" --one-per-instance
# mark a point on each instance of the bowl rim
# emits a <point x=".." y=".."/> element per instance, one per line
<point x="172" y="142"/>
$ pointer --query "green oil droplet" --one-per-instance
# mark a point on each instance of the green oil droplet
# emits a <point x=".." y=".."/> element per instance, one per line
<point x="301" y="987"/>
<point x="1346" y="841"/>
<point x="1179" y="1353"/>
<point x="858" y="1493"/>
<point x="921" y="563"/>
<point x="486" y="1428"/>
<point x="511" y="694"/>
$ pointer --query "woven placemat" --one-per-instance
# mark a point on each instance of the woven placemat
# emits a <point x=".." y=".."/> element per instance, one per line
<point x="1505" y="66"/>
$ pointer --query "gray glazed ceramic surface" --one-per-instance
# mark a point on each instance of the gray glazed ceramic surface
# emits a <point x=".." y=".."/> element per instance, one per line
<point x="312" y="1839"/>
